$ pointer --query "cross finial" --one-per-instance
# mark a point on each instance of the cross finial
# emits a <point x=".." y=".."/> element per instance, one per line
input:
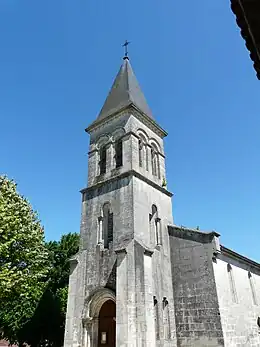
<point x="126" y="50"/>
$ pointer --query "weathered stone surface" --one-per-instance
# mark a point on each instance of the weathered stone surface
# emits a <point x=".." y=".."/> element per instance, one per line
<point x="239" y="316"/>
<point x="210" y="311"/>
<point x="172" y="286"/>
<point x="196" y="304"/>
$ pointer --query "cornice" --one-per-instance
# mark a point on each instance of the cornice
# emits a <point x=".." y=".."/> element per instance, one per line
<point x="131" y="110"/>
<point x="236" y="256"/>
<point x="130" y="173"/>
<point x="102" y="122"/>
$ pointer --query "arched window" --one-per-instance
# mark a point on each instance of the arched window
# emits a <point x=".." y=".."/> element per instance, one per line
<point x="107" y="225"/>
<point x="119" y="153"/>
<point x="166" y="319"/>
<point x="252" y="286"/>
<point x="100" y="229"/>
<point x="154" y="162"/>
<point x="156" y="318"/>
<point x="157" y="231"/>
<point x="154" y="210"/>
<point x="155" y="226"/>
<point x="232" y="283"/>
<point x="103" y="160"/>
<point x="141" y="152"/>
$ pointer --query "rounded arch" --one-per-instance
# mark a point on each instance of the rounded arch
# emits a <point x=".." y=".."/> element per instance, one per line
<point x="143" y="135"/>
<point x="154" y="210"/>
<point x="101" y="141"/>
<point x="106" y="206"/>
<point x="154" y="207"/>
<point x="155" y="145"/>
<point x="96" y="300"/>
<point x="142" y="139"/>
<point x="118" y="133"/>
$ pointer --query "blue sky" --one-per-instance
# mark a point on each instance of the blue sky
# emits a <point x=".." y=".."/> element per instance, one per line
<point x="58" y="60"/>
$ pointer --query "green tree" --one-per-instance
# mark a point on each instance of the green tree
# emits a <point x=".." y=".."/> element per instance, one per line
<point x="24" y="262"/>
<point x="46" y="328"/>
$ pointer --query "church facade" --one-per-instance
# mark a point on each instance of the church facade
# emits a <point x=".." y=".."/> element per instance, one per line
<point x="139" y="280"/>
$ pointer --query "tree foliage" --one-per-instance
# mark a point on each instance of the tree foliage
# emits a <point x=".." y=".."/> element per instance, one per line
<point x="46" y="328"/>
<point x="34" y="274"/>
<point x="23" y="260"/>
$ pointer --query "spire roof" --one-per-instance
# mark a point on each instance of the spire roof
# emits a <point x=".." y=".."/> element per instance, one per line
<point x="125" y="91"/>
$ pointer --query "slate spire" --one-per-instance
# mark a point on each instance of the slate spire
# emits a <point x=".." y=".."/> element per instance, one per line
<point x="125" y="91"/>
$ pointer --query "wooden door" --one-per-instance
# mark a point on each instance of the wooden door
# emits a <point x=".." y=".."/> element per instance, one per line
<point x="107" y="325"/>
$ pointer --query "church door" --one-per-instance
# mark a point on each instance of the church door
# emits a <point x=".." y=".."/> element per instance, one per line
<point x="107" y="325"/>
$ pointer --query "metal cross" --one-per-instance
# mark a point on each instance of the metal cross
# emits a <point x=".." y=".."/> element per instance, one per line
<point x="125" y="45"/>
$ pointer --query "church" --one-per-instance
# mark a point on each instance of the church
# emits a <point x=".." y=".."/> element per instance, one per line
<point x="138" y="279"/>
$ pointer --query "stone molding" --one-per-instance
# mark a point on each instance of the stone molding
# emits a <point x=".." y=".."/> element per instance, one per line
<point x="211" y="237"/>
<point x="240" y="258"/>
<point x="130" y="173"/>
<point x="134" y="111"/>
<point x="95" y="301"/>
<point x="192" y="234"/>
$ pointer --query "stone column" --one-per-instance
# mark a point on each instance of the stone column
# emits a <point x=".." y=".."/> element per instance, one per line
<point x="149" y="159"/>
<point x="121" y="300"/>
<point x="95" y="332"/>
<point x="69" y="328"/>
<point x="162" y="167"/>
<point x="93" y="165"/>
<point x="146" y="157"/>
<point x="133" y="153"/>
<point x="87" y="335"/>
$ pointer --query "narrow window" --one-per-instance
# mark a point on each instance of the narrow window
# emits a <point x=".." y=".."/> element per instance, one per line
<point x="158" y="231"/>
<point x="156" y="318"/>
<point x="232" y="283"/>
<point x="166" y="319"/>
<point x="252" y="286"/>
<point x="103" y="160"/>
<point x="119" y="153"/>
<point x="141" y="145"/>
<point x="158" y="165"/>
<point x="154" y="210"/>
<point x="155" y="226"/>
<point x="154" y="162"/>
<point x="146" y="158"/>
<point x="107" y="225"/>
<point x="110" y="228"/>
<point x="100" y="229"/>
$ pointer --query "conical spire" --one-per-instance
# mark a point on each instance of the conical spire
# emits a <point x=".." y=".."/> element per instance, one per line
<point x="125" y="91"/>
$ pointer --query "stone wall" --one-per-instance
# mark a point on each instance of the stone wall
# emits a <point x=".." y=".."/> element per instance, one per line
<point x="161" y="290"/>
<point x="196" y="305"/>
<point x="119" y="194"/>
<point x="238" y="290"/>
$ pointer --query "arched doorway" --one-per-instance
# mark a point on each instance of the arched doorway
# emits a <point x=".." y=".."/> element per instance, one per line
<point x="107" y="325"/>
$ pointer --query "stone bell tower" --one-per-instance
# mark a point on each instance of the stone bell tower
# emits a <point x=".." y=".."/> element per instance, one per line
<point x="120" y="290"/>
